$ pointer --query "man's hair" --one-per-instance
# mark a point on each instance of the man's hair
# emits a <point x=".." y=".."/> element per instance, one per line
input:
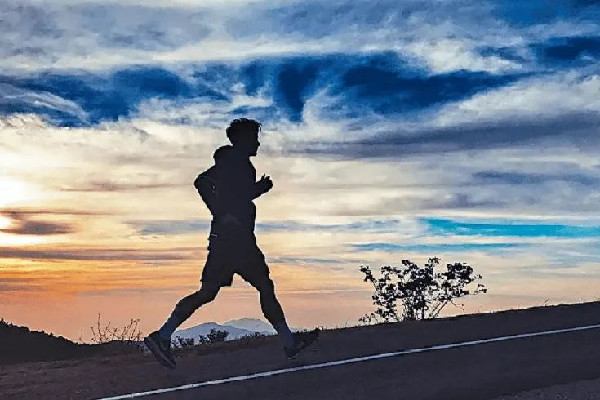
<point x="241" y="126"/>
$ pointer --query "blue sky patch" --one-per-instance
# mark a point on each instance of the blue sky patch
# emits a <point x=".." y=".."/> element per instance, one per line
<point x="388" y="90"/>
<point x="567" y="50"/>
<point x="534" y="12"/>
<point x="538" y="229"/>
<point x="380" y="83"/>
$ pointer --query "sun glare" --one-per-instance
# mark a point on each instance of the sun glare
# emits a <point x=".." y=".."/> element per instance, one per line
<point x="11" y="192"/>
<point x="4" y="222"/>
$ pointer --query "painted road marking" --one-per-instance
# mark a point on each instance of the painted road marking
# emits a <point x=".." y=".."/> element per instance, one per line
<point x="347" y="361"/>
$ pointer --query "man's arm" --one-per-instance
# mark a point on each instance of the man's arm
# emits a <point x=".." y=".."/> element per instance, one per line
<point x="207" y="188"/>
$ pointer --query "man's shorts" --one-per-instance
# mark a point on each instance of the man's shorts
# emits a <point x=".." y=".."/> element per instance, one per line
<point x="241" y="256"/>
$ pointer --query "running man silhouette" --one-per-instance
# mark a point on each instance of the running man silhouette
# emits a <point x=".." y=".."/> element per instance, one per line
<point x="228" y="189"/>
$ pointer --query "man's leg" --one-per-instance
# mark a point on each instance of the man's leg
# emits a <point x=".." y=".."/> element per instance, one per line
<point x="256" y="272"/>
<point x="273" y="312"/>
<point x="186" y="307"/>
<point x="159" y="342"/>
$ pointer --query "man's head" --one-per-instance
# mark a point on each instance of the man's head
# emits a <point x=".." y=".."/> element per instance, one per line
<point x="243" y="135"/>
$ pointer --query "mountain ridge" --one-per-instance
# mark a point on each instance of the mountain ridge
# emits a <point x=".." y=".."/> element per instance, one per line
<point x="236" y="329"/>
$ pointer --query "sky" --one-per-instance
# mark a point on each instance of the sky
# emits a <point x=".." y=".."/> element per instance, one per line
<point x="466" y="130"/>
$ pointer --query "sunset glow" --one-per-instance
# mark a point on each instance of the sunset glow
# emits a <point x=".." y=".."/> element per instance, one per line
<point x="391" y="130"/>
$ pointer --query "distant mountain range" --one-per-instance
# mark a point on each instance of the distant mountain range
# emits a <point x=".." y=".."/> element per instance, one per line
<point x="236" y="328"/>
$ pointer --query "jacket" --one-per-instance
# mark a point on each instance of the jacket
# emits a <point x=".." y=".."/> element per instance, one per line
<point x="229" y="187"/>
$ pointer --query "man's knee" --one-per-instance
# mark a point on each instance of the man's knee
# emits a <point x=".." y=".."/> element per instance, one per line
<point x="208" y="292"/>
<point x="188" y="304"/>
<point x="265" y="286"/>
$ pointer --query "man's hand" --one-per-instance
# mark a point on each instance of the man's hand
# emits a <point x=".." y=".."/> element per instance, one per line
<point x="264" y="184"/>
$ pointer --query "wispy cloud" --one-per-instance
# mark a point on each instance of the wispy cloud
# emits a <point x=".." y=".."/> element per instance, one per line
<point x="96" y="254"/>
<point x="435" y="248"/>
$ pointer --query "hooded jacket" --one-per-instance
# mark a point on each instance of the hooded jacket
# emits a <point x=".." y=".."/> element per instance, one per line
<point x="228" y="187"/>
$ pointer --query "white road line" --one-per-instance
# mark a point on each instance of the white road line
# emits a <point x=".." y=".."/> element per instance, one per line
<point x="347" y="361"/>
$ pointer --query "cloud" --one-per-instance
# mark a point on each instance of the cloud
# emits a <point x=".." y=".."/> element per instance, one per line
<point x="439" y="247"/>
<point x="118" y="187"/>
<point x="20" y="100"/>
<point x="174" y="227"/>
<point x="169" y="227"/>
<point x="443" y="38"/>
<point x="520" y="178"/>
<point x="21" y="223"/>
<point x="95" y="254"/>
<point x="304" y="260"/>
<point x="39" y="228"/>
<point x="271" y="89"/>
<point x="571" y="129"/>
<point x="20" y="212"/>
<point x="80" y="99"/>
<point x="15" y="284"/>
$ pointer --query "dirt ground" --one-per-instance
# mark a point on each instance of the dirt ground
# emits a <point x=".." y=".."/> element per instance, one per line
<point x="487" y="371"/>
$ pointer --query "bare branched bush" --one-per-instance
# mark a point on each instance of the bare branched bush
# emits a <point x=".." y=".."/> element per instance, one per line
<point x="104" y="334"/>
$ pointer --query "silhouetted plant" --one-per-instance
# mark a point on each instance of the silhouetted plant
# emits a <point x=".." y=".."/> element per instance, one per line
<point x="129" y="333"/>
<point x="181" y="343"/>
<point x="422" y="291"/>
<point x="214" y="336"/>
<point x="252" y="335"/>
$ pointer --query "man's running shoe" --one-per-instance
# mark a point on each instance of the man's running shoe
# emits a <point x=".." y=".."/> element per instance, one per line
<point x="161" y="349"/>
<point x="301" y="341"/>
